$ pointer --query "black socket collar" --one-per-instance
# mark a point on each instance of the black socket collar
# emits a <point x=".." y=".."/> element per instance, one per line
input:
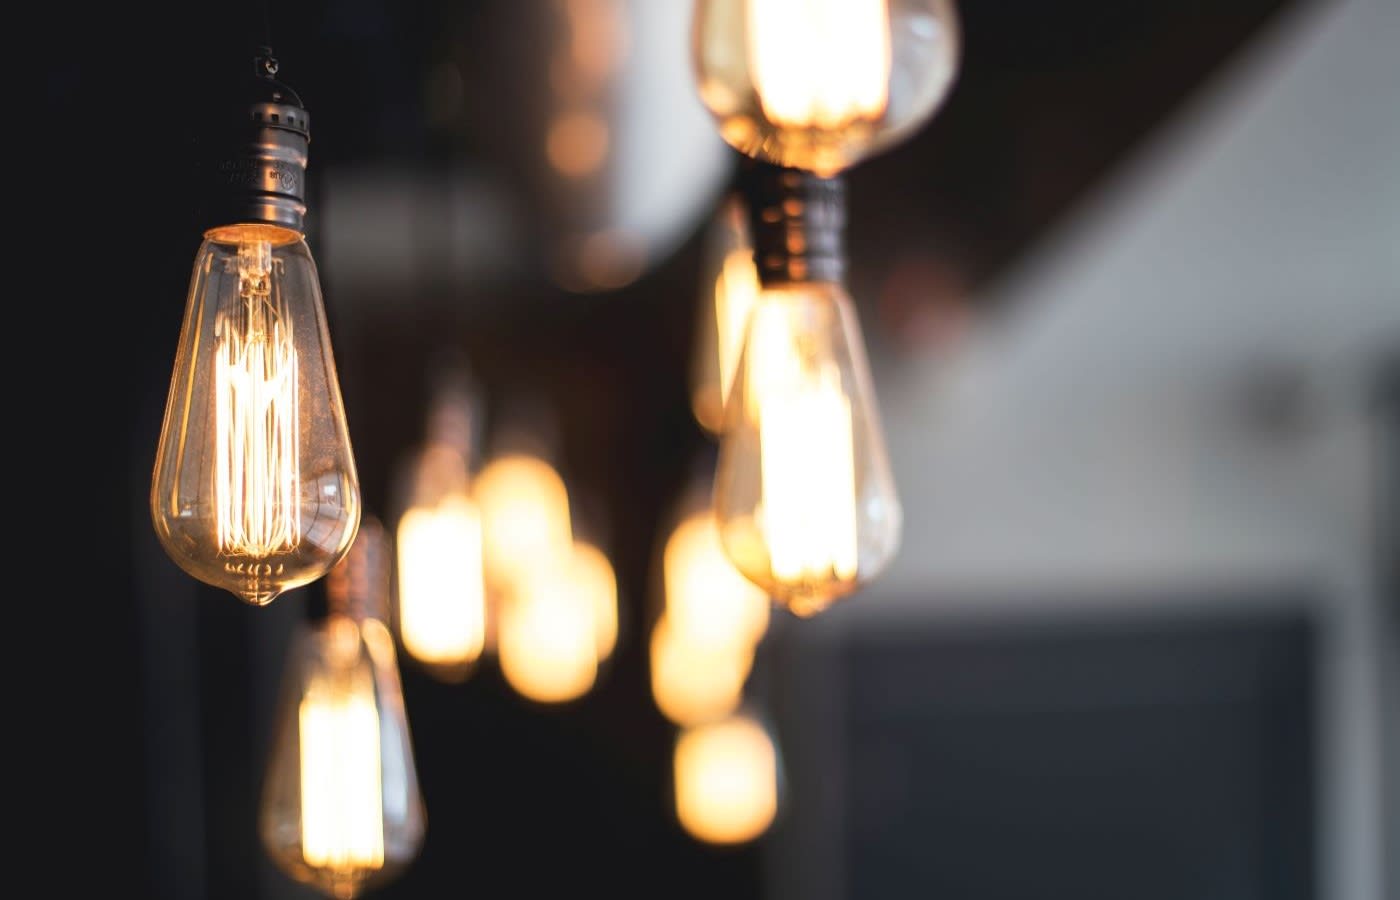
<point x="255" y="160"/>
<point x="796" y="223"/>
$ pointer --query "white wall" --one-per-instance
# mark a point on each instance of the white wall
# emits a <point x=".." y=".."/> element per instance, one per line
<point x="1095" y="435"/>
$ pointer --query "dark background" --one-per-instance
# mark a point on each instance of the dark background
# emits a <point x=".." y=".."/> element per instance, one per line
<point x="177" y="680"/>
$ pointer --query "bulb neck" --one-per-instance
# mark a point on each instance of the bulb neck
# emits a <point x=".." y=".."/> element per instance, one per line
<point x="358" y="585"/>
<point x="797" y="222"/>
<point x="255" y="154"/>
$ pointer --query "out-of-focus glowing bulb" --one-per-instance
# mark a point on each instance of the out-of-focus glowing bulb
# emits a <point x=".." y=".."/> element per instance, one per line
<point x="254" y="488"/>
<point x="695" y="681"/>
<point x="341" y="809"/>
<point x="804" y="496"/>
<point x="726" y="781"/>
<point x="707" y="599"/>
<point x="730" y="293"/>
<point x="820" y="84"/>
<point x="524" y="518"/>
<point x="594" y="575"/>
<point x="547" y="638"/>
<point x="442" y="597"/>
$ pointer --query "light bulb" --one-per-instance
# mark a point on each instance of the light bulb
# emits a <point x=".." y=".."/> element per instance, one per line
<point x="804" y="497"/>
<point x="441" y="592"/>
<point x="593" y="572"/>
<point x="726" y="781"/>
<point x="254" y="488"/>
<point x="341" y="809"/>
<point x="525" y="517"/>
<point x="707" y="599"/>
<point x="820" y="84"/>
<point x="547" y="637"/>
<point x="730" y="288"/>
<point x="695" y="681"/>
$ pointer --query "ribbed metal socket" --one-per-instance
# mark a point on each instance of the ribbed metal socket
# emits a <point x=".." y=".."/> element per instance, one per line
<point x="358" y="586"/>
<point x="796" y="223"/>
<point x="256" y="170"/>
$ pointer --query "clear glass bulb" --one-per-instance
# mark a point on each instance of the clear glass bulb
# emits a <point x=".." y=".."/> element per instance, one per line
<point x="341" y="809"/>
<point x="821" y="84"/>
<point x="730" y="289"/>
<point x="804" y="497"/>
<point x="254" y="489"/>
<point x="441" y="589"/>
<point x="726" y="781"/>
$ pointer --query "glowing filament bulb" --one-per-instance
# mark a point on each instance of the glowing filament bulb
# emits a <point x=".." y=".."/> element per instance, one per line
<point x="804" y="499"/>
<point x="820" y="63"/>
<point x="341" y="817"/>
<point x="694" y="681"/>
<point x="808" y="507"/>
<point x="257" y="475"/>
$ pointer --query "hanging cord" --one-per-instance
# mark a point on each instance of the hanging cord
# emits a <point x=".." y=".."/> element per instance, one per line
<point x="264" y="63"/>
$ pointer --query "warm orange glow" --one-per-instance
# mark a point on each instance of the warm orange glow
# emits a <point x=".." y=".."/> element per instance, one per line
<point x="726" y="779"/>
<point x="524" y="518"/>
<point x="707" y="599"/>
<point x="547" y="638"/>
<point x="577" y="144"/>
<point x="594" y="575"/>
<point x="442" y="599"/>
<point x="820" y="63"/>
<point x="736" y="289"/>
<point x="694" y="682"/>
<point x="257" y="468"/>
<point x="806" y="441"/>
<point x="342" y="824"/>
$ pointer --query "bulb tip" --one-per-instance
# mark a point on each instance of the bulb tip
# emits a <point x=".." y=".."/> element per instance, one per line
<point x="257" y="596"/>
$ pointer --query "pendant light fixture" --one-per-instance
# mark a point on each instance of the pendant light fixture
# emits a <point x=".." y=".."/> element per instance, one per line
<point x="804" y="498"/>
<point x="254" y="488"/>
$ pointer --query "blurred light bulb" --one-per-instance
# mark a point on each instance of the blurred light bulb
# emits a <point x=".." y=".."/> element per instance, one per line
<point x="820" y="84"/>
<point x="524" y="517"/>
<point x="254" y="488"/>
<point x="726" y="781"/>
<point x="804" y="496"/>
<point x="708" y="600"/>
<point x="594" y="575"/>
<point x="694" y="681"/>
<point x="341" y="808"/>
<point x="730" y="291"/>
<point x="547" y="638"/>
<point x="442" y="595"/>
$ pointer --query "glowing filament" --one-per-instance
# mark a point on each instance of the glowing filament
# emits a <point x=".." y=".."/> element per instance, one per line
<point x="257" y="430"/>
<point x="342" y="818"/>
<point x="442" y="604"/>
<point x="820" y="63"/>
<point x="807" y="455"/>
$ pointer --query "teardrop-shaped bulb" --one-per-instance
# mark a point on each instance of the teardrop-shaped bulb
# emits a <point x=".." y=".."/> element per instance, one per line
<point x="341" y="809"/>
<point x="254" y="487"/>
<point x="804" y="497"/>
<point x="821" y="84"/>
